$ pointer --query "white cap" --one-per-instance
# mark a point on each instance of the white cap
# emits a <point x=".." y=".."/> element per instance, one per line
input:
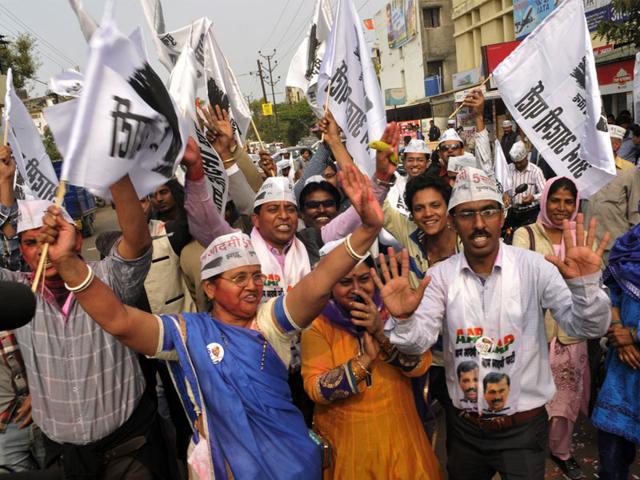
<point x="329" y="246"/>
<point x="314" y="179"/>
<point x="30" y="213"/>
<point x="473" y="184"/>
<point x="451" y="122"/>
<point x="616" y="132"/>
<point x="518" y="151"/>
<point x="227" y="252"/>
<point x="456" y="164"/>
<point x="507" y="123"/>
<point x="417" y="146"/>
<point x="275" y="189"/>
<point x="450" y="134"/>
<point x="283" y="164"/>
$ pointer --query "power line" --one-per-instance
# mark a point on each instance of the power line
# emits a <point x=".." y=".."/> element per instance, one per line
<point x="39" y="51"/>
<point x="45" y="42"/>
<point x="275" y="26"/>
<point x="287" y="31"/>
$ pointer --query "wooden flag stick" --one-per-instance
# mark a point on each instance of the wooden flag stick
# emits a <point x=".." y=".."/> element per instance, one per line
<point x="462" y="104"/>
<point x="255" y="130"/>
<point x="5" y="135"/>
<point x="326" y="105"/>
<point x="62" y="187"/>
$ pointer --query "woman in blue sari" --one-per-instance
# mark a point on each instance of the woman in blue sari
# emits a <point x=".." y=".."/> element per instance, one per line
<point x="230" y="365"/>
<point x="617" y="411"/>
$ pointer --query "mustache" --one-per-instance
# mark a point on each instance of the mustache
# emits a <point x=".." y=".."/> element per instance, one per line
<point x="478" y="233"/>
<point x="471" y="389"/>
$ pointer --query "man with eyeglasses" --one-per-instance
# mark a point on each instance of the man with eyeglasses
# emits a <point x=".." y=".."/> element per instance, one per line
<point x="451" y="145"/>
<point x="490" y="302"/>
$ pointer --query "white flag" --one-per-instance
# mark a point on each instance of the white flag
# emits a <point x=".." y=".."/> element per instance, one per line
<point x="125" y="122"/>
<point x="636" y="88"/>
<point x="550" y="86"/>
<point x="68" y="83"/>
<point x="32" y="161"/>
<point x="355" y="99"/>
<point x="501" y="170"/>
<point x="182" y="86"/>
<point x="218" y="78"/>
<point x="87" y="24"/>
<point x="305" y="64"/>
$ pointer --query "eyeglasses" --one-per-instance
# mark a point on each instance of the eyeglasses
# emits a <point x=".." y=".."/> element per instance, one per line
<point x="449" y="148"/>
<point x="468" y="215"/>
<point x="242" y="279"/>
<point x="312" y="204"/>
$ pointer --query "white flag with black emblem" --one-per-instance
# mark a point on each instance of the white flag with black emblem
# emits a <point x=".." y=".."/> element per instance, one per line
<point x="355" y="99"/>
<point x="215" y="75"/>
<point x="550" y="86"/>
<point x="305" y="64"/>
<point x="125" y="121"/>
<point x="39" y="178"/>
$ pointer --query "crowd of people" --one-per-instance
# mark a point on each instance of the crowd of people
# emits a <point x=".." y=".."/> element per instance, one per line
<point x="326" y="324"/>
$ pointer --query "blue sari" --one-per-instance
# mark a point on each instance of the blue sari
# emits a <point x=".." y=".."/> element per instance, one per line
<point x="251" y="423"/>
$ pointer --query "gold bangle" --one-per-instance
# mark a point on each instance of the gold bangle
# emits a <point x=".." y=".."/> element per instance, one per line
<point x="228" y="160"/>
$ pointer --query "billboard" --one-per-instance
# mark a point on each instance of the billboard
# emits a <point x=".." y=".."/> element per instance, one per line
<point x="527" y="14"/>
<point x="401" y="22"/>
<point x="598" y="11"/>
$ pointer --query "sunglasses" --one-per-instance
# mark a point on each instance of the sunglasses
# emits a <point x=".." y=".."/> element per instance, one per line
<point x="449" y="148"/>
<point x="313" y="204"/>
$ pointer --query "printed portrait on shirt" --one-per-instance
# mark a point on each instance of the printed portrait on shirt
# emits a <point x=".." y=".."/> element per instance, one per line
<point x="468" y="380"/>
<point x="496" y="387"/>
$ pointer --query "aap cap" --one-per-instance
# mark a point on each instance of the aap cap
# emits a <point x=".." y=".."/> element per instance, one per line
<point x="450" y="134"/>
<point x="275" y="189"/>
<point x="473" y="184"/>
<point x="518" y="151"/>
<point x="227" y="252"/>
<point x="616" y="132"/>
<point x="283" y="165"/>
<point x="456" y="164"/>
<point x="314" y="179"/>
<point x="507" y="123"/>
<point x="417" y="146"/>
<point x="30" y="213"/>
<point x="451" y="122"/>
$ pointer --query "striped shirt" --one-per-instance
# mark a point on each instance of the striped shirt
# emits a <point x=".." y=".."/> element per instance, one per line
<point x="532" y="176"/>
<point x="84" y="383"/>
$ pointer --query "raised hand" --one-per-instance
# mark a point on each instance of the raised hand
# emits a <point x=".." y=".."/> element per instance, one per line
<point x="267" y="164"/>
<point x="59" y="234"/>
<point x="358" y="188"/>
<point x="7" y="164"/>
<point x="475" y="101"/>
<point x="218" y="123"/>
<point x="400" y="298"/>
<point x="329" y="128"/>
<point x="580" y="259"/>
<point x="385" y="167"/>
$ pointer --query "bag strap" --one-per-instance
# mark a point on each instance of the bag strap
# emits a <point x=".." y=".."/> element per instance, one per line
<point x="198" y="423"/>
<point x="532" y="238"/>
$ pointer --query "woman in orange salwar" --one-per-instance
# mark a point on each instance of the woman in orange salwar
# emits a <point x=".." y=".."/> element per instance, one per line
<point x="362" y="388"/>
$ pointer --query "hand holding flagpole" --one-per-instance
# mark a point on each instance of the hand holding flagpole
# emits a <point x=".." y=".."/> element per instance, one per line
<point x="455" y="112"/>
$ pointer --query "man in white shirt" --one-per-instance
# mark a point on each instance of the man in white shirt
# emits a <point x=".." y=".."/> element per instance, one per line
<point x="489" y="302"/>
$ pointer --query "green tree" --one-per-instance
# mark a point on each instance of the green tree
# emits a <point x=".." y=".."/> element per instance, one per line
<point x="294" y="122"/>
<point x="50" y="145"/>
<point x="626" y="31"/>
<point x="19" y="55"/>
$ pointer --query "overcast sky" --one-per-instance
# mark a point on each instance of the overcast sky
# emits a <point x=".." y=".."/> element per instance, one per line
<point x="241" y="27"/>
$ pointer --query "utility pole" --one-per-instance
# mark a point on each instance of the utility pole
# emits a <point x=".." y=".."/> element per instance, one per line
<point x="271" y="82"/>
<point x="264" y="91"/>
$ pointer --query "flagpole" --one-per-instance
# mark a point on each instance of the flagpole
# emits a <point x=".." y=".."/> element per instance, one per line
<point x="462" y="104"/>
<point x="255" y="130"/>
<point x="5" y="135"/>
<point x="326" y="105"/>
<point x="62" y="187"/>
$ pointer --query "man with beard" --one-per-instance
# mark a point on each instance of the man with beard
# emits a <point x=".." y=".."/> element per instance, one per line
<point x="468" y="380"/>
<point x="499" y="293"/>
<point x="509" y="137"/>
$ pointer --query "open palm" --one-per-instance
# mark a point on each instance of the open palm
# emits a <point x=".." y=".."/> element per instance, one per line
<point x="580" y="258"/>
<point x="400" y="298"/>
<point x="357" y="188"/>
